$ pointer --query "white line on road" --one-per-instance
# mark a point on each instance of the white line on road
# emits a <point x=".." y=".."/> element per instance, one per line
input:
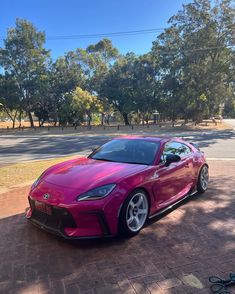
<point x="220" y="158"/>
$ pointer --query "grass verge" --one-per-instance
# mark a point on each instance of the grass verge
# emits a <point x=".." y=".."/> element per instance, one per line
<point x="22" y="174"/>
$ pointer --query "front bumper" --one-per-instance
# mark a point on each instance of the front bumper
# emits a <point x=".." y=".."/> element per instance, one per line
<point x="70" y="223"/>
<point x="61" y="232"/>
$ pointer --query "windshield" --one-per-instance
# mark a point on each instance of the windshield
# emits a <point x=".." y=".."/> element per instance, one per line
<point x="127" y="151"/>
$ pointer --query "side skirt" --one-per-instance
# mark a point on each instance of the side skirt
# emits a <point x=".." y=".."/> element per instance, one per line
<point x="172" y="205"/>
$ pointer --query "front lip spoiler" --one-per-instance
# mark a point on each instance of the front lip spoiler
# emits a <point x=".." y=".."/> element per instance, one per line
<point x="61" y="234"/>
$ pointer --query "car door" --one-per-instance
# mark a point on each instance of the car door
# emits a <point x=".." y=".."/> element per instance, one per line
<point x="174" y="181"/>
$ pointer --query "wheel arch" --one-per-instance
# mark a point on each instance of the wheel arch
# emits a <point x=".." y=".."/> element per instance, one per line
<point x="132" y="191"/>
<point x="201" y="189"/>
<point x="123" y="228"/>
<point x="199" y="170"/>
<point x="147" y="193"/>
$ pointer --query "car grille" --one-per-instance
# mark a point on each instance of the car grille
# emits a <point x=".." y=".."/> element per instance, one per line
<point x="59" y="219"/>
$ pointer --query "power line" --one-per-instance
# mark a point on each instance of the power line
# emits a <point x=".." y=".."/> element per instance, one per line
<point x="131" y="33"/>
<point x="116" y="34"/>
<point x="164" y="52"/>
<point x="98" y="35"/>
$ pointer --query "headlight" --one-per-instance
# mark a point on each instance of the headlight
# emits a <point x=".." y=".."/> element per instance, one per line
<point x="97" y="193"/>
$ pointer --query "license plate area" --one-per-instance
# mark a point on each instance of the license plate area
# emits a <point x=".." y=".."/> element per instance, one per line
<point x="42" y="207"/>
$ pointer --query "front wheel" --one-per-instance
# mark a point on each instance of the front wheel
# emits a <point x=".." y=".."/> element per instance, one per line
<point x="203" y="179"/>
<point x="134" y="213"/>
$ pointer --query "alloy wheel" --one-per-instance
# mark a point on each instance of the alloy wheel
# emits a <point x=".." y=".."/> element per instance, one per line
<point x="137" y="212"/>
<point x="204" y="177"/>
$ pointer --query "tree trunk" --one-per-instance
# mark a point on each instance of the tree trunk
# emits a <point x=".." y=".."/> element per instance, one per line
<point x="30" y="119"/>
<point x="89" y="120"/>
<point x="107" y="119"/>
<point x="125" y="117"/>
<point x="102" y="118"/>
<point x="139" y="118"/>
<point x="40" y="122"/>
<point x="20" y="118"/>
<point x="10" y="116"/>
<point x="14" y="120"/>
<point x="172" y="118"/>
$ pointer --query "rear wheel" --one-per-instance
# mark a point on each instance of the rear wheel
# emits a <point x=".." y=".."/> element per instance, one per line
<point x="203" y="179"/>
<point x="134" y="213"/>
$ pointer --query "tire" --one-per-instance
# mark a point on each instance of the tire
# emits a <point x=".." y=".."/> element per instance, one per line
<point x="134" y="213"/>
<point x="203" y="179"/>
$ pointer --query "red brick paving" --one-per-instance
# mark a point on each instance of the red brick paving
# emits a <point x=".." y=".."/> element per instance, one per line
<point x="197" y="238"/>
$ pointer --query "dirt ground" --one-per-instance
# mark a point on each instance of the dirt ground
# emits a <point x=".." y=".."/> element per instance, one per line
<point x="207" y="124"/>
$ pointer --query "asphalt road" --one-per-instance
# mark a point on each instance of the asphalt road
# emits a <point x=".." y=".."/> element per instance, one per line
<point x="18" y="148"/>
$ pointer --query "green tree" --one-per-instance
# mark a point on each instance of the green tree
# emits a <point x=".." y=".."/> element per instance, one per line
<point x="145" y="86"/>
<point x="9" y="100"/>
<point x="64" y="75"/>
<point x="95" y="61"/>
<point x="24" y="58"/>
<point x="117" y="86"/>
<point x="132" y="87"/>
<point x="196" y="54"/>
<point x="86" y="103"/>
<point x="76" y="105"/>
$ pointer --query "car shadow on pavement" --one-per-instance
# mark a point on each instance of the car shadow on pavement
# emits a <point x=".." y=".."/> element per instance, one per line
<point x="196" y="238"/>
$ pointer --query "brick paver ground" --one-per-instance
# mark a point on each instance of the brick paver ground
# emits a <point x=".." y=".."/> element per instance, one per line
<point x="174" y="254"/>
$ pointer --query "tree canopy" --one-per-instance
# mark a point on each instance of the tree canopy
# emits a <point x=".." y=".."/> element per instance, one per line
<point x="189" y="73"/>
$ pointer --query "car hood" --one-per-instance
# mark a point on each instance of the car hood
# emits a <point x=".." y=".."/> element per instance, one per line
<point x="85" y="174"/>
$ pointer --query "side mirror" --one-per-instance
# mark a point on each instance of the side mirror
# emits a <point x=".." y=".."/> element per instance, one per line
<point x="172" y="158"/>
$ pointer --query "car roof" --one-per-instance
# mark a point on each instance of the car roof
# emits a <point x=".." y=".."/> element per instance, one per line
<point x="148" y="138"/>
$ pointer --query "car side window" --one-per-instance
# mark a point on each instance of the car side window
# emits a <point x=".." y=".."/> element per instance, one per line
<point x="187" y="150"/>
<point x="175" y="148"/>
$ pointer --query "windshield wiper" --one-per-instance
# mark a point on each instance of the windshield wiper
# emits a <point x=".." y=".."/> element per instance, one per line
<point x="134" y="162"/>
<point x="103" y="159"/>
<point x="129" y="162"/>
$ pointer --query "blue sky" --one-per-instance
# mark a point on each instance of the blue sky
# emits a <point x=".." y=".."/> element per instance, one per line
<point x="79" y="17"/>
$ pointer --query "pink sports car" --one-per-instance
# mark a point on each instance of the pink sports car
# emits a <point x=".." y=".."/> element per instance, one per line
<point x="117" y="187"/>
